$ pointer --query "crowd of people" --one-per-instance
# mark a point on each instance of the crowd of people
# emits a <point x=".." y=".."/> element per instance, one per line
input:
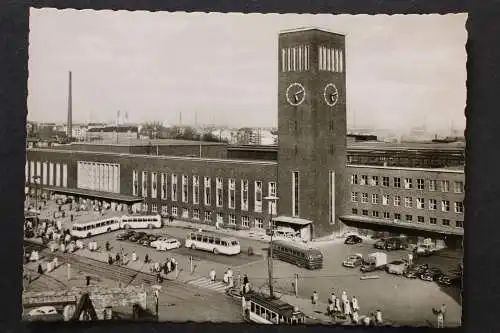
<point x="344" y="309"/>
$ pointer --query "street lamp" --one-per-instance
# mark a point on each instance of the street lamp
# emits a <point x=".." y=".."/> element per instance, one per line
<point x="272" y="200"/>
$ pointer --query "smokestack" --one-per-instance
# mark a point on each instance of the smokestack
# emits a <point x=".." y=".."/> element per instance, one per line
<point x="180" y="118"/>
<point x="69" y="124"/>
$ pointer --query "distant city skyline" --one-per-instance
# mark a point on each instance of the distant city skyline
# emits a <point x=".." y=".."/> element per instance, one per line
<point x="403" y="71"/>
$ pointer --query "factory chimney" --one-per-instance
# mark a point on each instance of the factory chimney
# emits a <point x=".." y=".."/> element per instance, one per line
<point x="69" y="124"/>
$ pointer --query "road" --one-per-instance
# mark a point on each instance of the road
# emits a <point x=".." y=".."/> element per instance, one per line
<point x="401" y="300"/>
<point x="203" y="261"/>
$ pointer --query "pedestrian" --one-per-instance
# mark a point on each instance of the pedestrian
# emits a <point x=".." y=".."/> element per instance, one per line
<point x="366" y="321"/>
<point x="347" y="309"/>
<point x="410" y="259"/>
<point x="355" y="318"/>
<point x="355" y="304"/>
<point x="330" y="308"/>
<point x="314" y="298"/>
<point x="40" y="269"/>
<point x="212" y="275"/>
<point x="134" y="256"/>
<point x="225" y="278"/>
<point x="110" y="259"/>
<point x="443" y="311"/>
<point x="338" y="308"/>
<point x="87" y="279"/>
<point x="332" y="298"/>
<point x="440" y="320"/>
<point x="344" y="296"/>
<point x="245" y="279"/>
<point x="146" y="258"/>
<point x="169" y="266"/>
<point x="107" y="245"/>
<point x="117" y="258"/>
<point x="378" y="317"/>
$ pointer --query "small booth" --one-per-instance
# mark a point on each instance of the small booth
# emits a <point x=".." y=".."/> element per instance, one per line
<point x="292" y="228"/>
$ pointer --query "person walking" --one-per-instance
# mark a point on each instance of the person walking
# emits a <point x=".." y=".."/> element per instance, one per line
<point x="107" y="246"/>
<point x="134" y="256"/>
<point x="338" y="307"/>
<point x="355" y="318"/>
<point x="378" y="317"/>
<point x="146" y="258"/>
<point x="212" y="275"/>
<point x="440" y="320"/>
<point x="314" y="298"/>
<point x="355" y="304"/>
<point x="344" y="296"/>
<point x="443" y="311"/>
<point x="410" y="259"/>
<point x="347" y="308"/>
<point x="332" y="298"/>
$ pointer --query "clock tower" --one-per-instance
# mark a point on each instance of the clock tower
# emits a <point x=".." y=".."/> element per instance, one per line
<point x="312" y="182"/>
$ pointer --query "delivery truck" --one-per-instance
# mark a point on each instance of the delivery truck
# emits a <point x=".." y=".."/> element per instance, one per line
<point x="374" y="261"/>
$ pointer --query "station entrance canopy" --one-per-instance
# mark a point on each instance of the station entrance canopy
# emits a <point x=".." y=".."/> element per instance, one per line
<point x="398" y="225"/>
<point x="89" y="194"/>
<point x="301" y="227"/>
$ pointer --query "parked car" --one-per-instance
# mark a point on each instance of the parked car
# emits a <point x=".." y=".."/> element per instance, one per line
<point x="353" y="239"/>
<point x="397" y="267"/>
<point x="450" y="280"/>
<point x="354" y="260"/>
<point x="380" y="244"/>
<point x="43" y="311"/>
<point x="137" y="236"/>
<point x="396" y="243"/>
<point x="414" y="271"/>
<point x="124" y="235"/>
<point x="431" y="274"/>
<point x="165" y="244"/>
<point x="425" y="250"/>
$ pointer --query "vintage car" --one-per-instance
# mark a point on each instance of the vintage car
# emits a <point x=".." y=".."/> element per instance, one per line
<point x="397" y="267"/>
<point x="431" y="274"/>
<point x="353" y="239"/>
<point x="354" y="260"/>
<point x="414" y="271"/>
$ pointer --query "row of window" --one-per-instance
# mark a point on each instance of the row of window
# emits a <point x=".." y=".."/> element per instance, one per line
<point x="408" y="203"/>
<point x="408" y="218"/>
<point x="149" y="189"/>
<point x="97" y="176"/>
<point x="194" y="214"/>
<point x="44" y="173"/>
<point x="458" y="186"/>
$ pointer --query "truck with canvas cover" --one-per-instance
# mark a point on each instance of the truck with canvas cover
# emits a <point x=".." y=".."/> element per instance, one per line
<point x="374" y="261"/>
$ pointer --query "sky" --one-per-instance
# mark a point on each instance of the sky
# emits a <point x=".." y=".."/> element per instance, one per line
<point x="402" y="71"/>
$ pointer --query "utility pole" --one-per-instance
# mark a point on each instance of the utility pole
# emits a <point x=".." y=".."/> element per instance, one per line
<point x="271" y="202"/>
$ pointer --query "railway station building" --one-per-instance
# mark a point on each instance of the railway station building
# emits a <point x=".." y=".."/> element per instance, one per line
<point x="324" y="186"/>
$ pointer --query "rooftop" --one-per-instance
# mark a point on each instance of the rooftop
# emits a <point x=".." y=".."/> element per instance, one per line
<point x="162" y="157"/>
<point x="146" y="142"/>
<point x="286" y="31"/>
<point x="451" y="169"/>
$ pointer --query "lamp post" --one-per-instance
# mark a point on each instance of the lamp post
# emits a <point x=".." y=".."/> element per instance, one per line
<point x="271" y="204"/>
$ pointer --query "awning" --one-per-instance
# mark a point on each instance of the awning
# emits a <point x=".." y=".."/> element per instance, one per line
<point x="94" y="194"/>
<point x="292" y="220"/>
<point x="405" y="225"/>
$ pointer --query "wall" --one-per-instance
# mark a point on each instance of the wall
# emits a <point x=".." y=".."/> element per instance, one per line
<point x="101" y="297"/>
<point x="427" y="175"/>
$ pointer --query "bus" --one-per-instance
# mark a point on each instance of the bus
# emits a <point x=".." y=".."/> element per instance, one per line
<point x="263" y="309"/>
<point x="213" y="243"/>
<point x="141" y="221"/>
<point x="88" y="229"/>
<point x="297" y="254"/>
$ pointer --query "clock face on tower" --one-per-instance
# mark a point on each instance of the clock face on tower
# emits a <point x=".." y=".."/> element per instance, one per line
<point x="331" y="94"/>
<point x="295" y="94"/>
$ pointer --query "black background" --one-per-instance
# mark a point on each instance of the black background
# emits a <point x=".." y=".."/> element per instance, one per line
<point x="482" y="236"/>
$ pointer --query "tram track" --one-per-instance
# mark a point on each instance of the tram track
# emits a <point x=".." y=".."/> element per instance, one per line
<point x="125" y="275"/>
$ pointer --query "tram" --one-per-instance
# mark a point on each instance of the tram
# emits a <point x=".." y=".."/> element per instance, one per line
<point x="263" y="309"/>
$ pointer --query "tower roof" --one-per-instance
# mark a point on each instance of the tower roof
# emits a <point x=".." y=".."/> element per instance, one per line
<point x="303" y="29"/>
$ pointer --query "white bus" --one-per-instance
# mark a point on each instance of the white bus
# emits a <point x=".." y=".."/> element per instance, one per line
<point x="141" y="221"/>
<point x="88" y="229"/>
<point x="213" y="243"/>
